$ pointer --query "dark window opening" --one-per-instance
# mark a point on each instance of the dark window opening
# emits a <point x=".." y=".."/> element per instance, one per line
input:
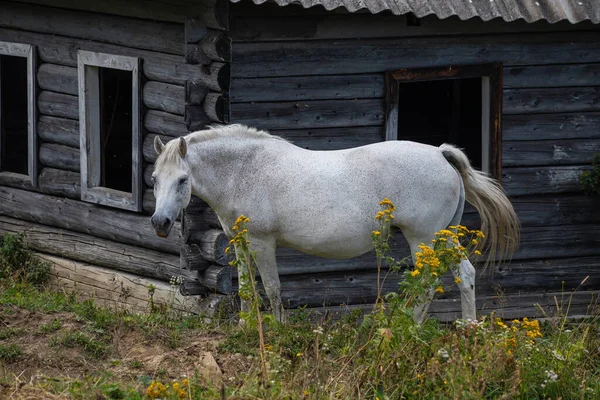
<point x="13" y="115"/>
<point x="116" y="105"/>
<point x="443" y="111"/>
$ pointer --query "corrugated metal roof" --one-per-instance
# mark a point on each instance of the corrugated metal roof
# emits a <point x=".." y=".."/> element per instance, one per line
<point x="509" y="10"/>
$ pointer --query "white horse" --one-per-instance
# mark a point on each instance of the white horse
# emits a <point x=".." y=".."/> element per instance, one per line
<point x="323" y="203"/>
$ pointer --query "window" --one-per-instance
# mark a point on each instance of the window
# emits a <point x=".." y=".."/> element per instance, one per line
<point x="459" y="105"/>
<point x="18" y="150"/>
<point x="109" y="108"/>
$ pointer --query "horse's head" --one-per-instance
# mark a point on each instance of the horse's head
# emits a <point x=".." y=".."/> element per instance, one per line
<point x="172" y="183"/>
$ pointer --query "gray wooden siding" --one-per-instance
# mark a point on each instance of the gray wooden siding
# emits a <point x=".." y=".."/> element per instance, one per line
<point x="58" y="221"/>
<point x="318" y="85"/>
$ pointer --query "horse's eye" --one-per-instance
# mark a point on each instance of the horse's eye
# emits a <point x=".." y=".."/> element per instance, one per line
<point x="182" y="181"/>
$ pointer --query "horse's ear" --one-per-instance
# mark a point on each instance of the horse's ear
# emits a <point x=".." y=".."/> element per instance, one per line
<point x="158" y="145"/>
<point x="182" y="147"/>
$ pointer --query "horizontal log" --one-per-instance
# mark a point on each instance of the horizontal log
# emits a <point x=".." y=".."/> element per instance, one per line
<point x="196" y="117"/>
<point x="296" y="88"/>
<point x="157" y="66"/>
<point x="164" y="123"/>
<point x="58" y="130"/>
<point x="212" y="244"/>
<point x="551" y="100"/>
<point x="551" y="126"/>
<point x="216" y="45"/>
<point x="217" y="279"/>
<point x="193" y="288"/>
<point x="148" y="146"/>
<point x="155" y="36"/>
<point x="271" y="22"/>
<point x="12" y="179"/>
<point x="60" y="156"/>
<point x="120" y="290"/>
<point x="102" y="252"/>
<point x="217" y="76"/>
<point x="539" y="76"/>
<point x="195" y="92"/>
<point x="519" y="181"/>
<point x="377" y="55"/>
<point x="148" y="171"/>
<point x="148" y="202"/>
<point x="60" y="183"/>
<point x="198" y="217"/>
<point x="164" y="97"/>
<point x="58" y="78"/>
<point x="157" y="10"/>
<point x="78" y="216"/>
<point x="191" y="258"/>
<point x="555" y="210"/>
<point x="333" y="138"/>
<point x="547" y="152"/>
<point x="216" y="106"/>
<point x="309" y="114"/>
<point x="58" y="105"/>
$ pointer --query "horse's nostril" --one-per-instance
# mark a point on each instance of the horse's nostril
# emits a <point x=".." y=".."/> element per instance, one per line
<point x="167" y="222"/>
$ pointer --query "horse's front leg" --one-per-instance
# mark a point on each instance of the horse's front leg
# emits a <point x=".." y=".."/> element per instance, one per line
<point x="466" y="285"/>
<point x="267" y="267"/>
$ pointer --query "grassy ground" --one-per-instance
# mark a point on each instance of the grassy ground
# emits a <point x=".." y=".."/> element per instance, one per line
<point x="53" y="346"/>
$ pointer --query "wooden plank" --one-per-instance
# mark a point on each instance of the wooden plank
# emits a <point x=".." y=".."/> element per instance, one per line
<point x="164" y="123"/>
<point x="271" y="22"/>
<point x="157" y="66"/>
<point x="551" y="126"/>
<point x="158" y="10"/>
<point x="60" y="156"/>
<point x="333" y="138"/>
<point x="60" y="183"/>
<point x="309" y="114"/>
<point x="216" y="107"/>
<point x="378" y="55"/>
<point x="121" y="226"/>
<point x="541" y="76"/>
<point x="115" y="288"/>
<point x="551" y="100"/>
<point x="196" y="118"/>
<point x="156" y="36"/>
<point x="298" y="88"/>
<point x="549" y="152"/>
<point x="164" y="97"/>
<point x="555" y="210"/>
<point x="519" y="181"/>
<point x="101" y="252"/>
<point x="58" y="78"/>
<point x="58" y="130"/>
<point x="58" y="105"/>
<point x="216" y="45"/>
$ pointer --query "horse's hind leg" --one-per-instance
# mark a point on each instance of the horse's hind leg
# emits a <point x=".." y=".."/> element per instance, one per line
<point x="267" y="267"/>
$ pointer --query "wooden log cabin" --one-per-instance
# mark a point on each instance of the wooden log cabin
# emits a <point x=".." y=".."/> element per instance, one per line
<point x="86" y="86"/>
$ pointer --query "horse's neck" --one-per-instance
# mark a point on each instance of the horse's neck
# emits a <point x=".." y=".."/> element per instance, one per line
<point x="216" y="163"/>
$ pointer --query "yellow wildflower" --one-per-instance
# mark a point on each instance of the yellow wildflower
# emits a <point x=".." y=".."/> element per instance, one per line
<point x="477" y="252"/>
<point x="376" y="233"/>
<point x="175" y="386"/>
<point x="457" y="280"/>
<point x="298" y="354"/>
<point x="474" y="241"/>
<point x="379" y="215"/>
<point x="227" y="250"/>
<point x="434" y="274"/>
<point x="419" y="264"/>
<point x="415" y="273"/>
<point x="185" y="382"/>
<point x="235" y="227"/>
<point x="439" y="289"/>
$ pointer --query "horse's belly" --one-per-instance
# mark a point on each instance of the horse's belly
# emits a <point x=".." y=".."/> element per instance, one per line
<point x="329" y="247"/>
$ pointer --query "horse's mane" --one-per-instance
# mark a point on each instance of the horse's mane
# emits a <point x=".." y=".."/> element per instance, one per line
<point x="171" y="151"/>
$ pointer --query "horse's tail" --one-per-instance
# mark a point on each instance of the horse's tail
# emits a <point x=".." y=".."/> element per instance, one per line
<point x="499" y="221"/>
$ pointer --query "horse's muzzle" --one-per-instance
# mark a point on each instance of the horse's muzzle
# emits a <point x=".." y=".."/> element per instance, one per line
<point x="162" y="225"/>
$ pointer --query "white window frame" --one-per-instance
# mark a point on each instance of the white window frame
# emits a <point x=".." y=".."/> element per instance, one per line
<point x="26" y="51"/>
<point x="88" y="64"/>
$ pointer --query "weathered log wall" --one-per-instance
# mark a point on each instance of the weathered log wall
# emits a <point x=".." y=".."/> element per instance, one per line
<point x="176" y="94"/>
<point x="304" y="75"/>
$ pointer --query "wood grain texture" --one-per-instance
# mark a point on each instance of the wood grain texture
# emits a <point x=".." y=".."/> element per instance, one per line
<point x="157" y="66"/>
<point x="58" y="78"/>
<point x="519" y="181"/>
<point x="309" y="114"/>
<point x="58" y="105"/>
<point x="58" y="182"/>
<point x="216" y="106"/>
<point x="135" y="33"/>
<point x="102" y="222"/>
<point x="164" y="123"/>
<point x="298" y="88"/>
<point x="551" y="126"/>
<point x="148" y="151"/>
<point x="164" y="97"/>
<point x="565" y="75"/>
<point x="549" y="152"/>
<point x="216" y="45"/>
<point x="333" y="138"/>
<point x="191" y="258"/>
<point x="102" y="252"/>
<point x="58" y="130"/>
<point x="377" y="55"/>
<point x="116" y="289"/>
<point x="551" y="100"/>
<point x="59" y="156"/>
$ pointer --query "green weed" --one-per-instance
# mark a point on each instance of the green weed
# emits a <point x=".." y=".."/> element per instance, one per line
<point x="18" y="263"/>
<point x="10" y="352"/>
<point x="52" y="326"/>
